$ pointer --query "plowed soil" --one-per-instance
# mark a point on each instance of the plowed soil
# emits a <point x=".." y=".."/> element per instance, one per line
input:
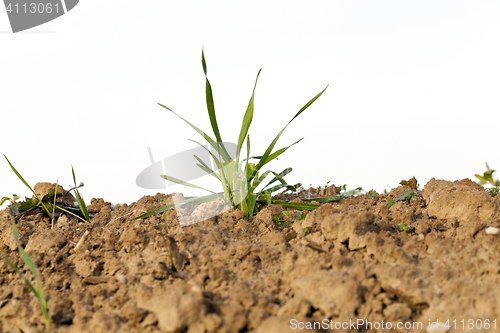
<point x="346" y="263"/>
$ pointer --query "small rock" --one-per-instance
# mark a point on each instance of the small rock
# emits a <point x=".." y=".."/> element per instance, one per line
<point x="491" y="231"/>
<point x="122" y="279"/>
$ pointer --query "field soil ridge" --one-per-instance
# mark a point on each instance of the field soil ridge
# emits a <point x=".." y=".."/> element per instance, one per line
<point x="420" y="259"/>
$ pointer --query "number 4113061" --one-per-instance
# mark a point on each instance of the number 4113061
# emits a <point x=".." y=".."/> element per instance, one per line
<point x="471" y="324"/>
<point x="33" y="8"/>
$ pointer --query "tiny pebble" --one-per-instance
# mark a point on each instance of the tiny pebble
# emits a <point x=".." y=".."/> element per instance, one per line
<point x="122" y="279"/>
<point x="491" y="231"/>
<point x="421" y="236"/>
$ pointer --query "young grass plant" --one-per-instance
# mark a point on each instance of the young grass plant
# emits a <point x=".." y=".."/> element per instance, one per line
<point x="487" y="177"/>
<point x="31" y="204"/>
<point x="25" y="183"/>
<point x="79" y="198"/>
<point x="239" y="178"/>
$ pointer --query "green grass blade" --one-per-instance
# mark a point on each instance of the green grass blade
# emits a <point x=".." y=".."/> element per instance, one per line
<point x="20" y="177"/>
<point x="279" y="152"/>
<point x="247" y="118"/>
<point x="203" y="134"/>
<point x="258" y="180"/>
<point x="250" y="202"/>
<point x="25" y="183"/>
<point x="282" y="174"/>
<point x="273" y="189"/>
<point x="18" y="271"/>
<point x="248" y="157"/>
<point x="327" y="199"/>
<point x="211" y="109"/>
<point x="181" y="182"/>
<point x="264" y="158"/>
<point x="57" y="208"/>
<point x="223" y="176"/>
<point x="203" y="62"/>
<point x="2" y="201"/>
<point x="282" y="181"/>
<point x="210" y="104"/>
<point x="155" y="211"/>
<point x="29" y="263"/>
<point x="208" y="171"/>
<point x="79" y="199"/>
<point x="205" y="167"/>
<point x="294" y="205"/>
<point x="207" y="198"/>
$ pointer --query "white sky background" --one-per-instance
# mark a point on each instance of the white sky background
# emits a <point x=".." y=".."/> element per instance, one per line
<point x="414" y="89"/>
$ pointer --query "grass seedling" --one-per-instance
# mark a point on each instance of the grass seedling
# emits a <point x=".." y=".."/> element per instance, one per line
<point x="29" y="263"/>
<point x="300" y="215"/>
<point x="12" y="200"/>
<point x="276" y="218"/>
<point x="404" y="227"/>
<point x="343" y="193"/>
<point x="287" y="218"/>
<point x="79" y="198"/>
<point x="30" y="205"/>
<point x="239" y="178"/>
<point x="487" y="177"/>
<point x="406" y="195"/>
<point x="305" y="232"/>
<point x="25" y="183"/>
<point x="390" y="203"/>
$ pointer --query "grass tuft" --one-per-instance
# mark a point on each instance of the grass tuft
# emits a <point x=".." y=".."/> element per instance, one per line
<point x="238" y="177"/>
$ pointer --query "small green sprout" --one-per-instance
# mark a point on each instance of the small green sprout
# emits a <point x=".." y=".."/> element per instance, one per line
<point x="487" y="177"/>
<point x="390" y="203"/>
<point x="305" y="232"/>
<point x="276" y="219"/>
<point x="494" y="191"/>
<point x="12" y="200"/>
<point x="300" y="215"/>
<point x="404" y="227"/>
<point x="372" y="193"/>
<point x="324" y="187"/>
<point x="406" y="195"/>
<point x="79" y="198"/>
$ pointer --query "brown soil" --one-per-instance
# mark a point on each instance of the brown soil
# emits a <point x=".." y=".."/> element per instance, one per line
<point x="346" y="261"/>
